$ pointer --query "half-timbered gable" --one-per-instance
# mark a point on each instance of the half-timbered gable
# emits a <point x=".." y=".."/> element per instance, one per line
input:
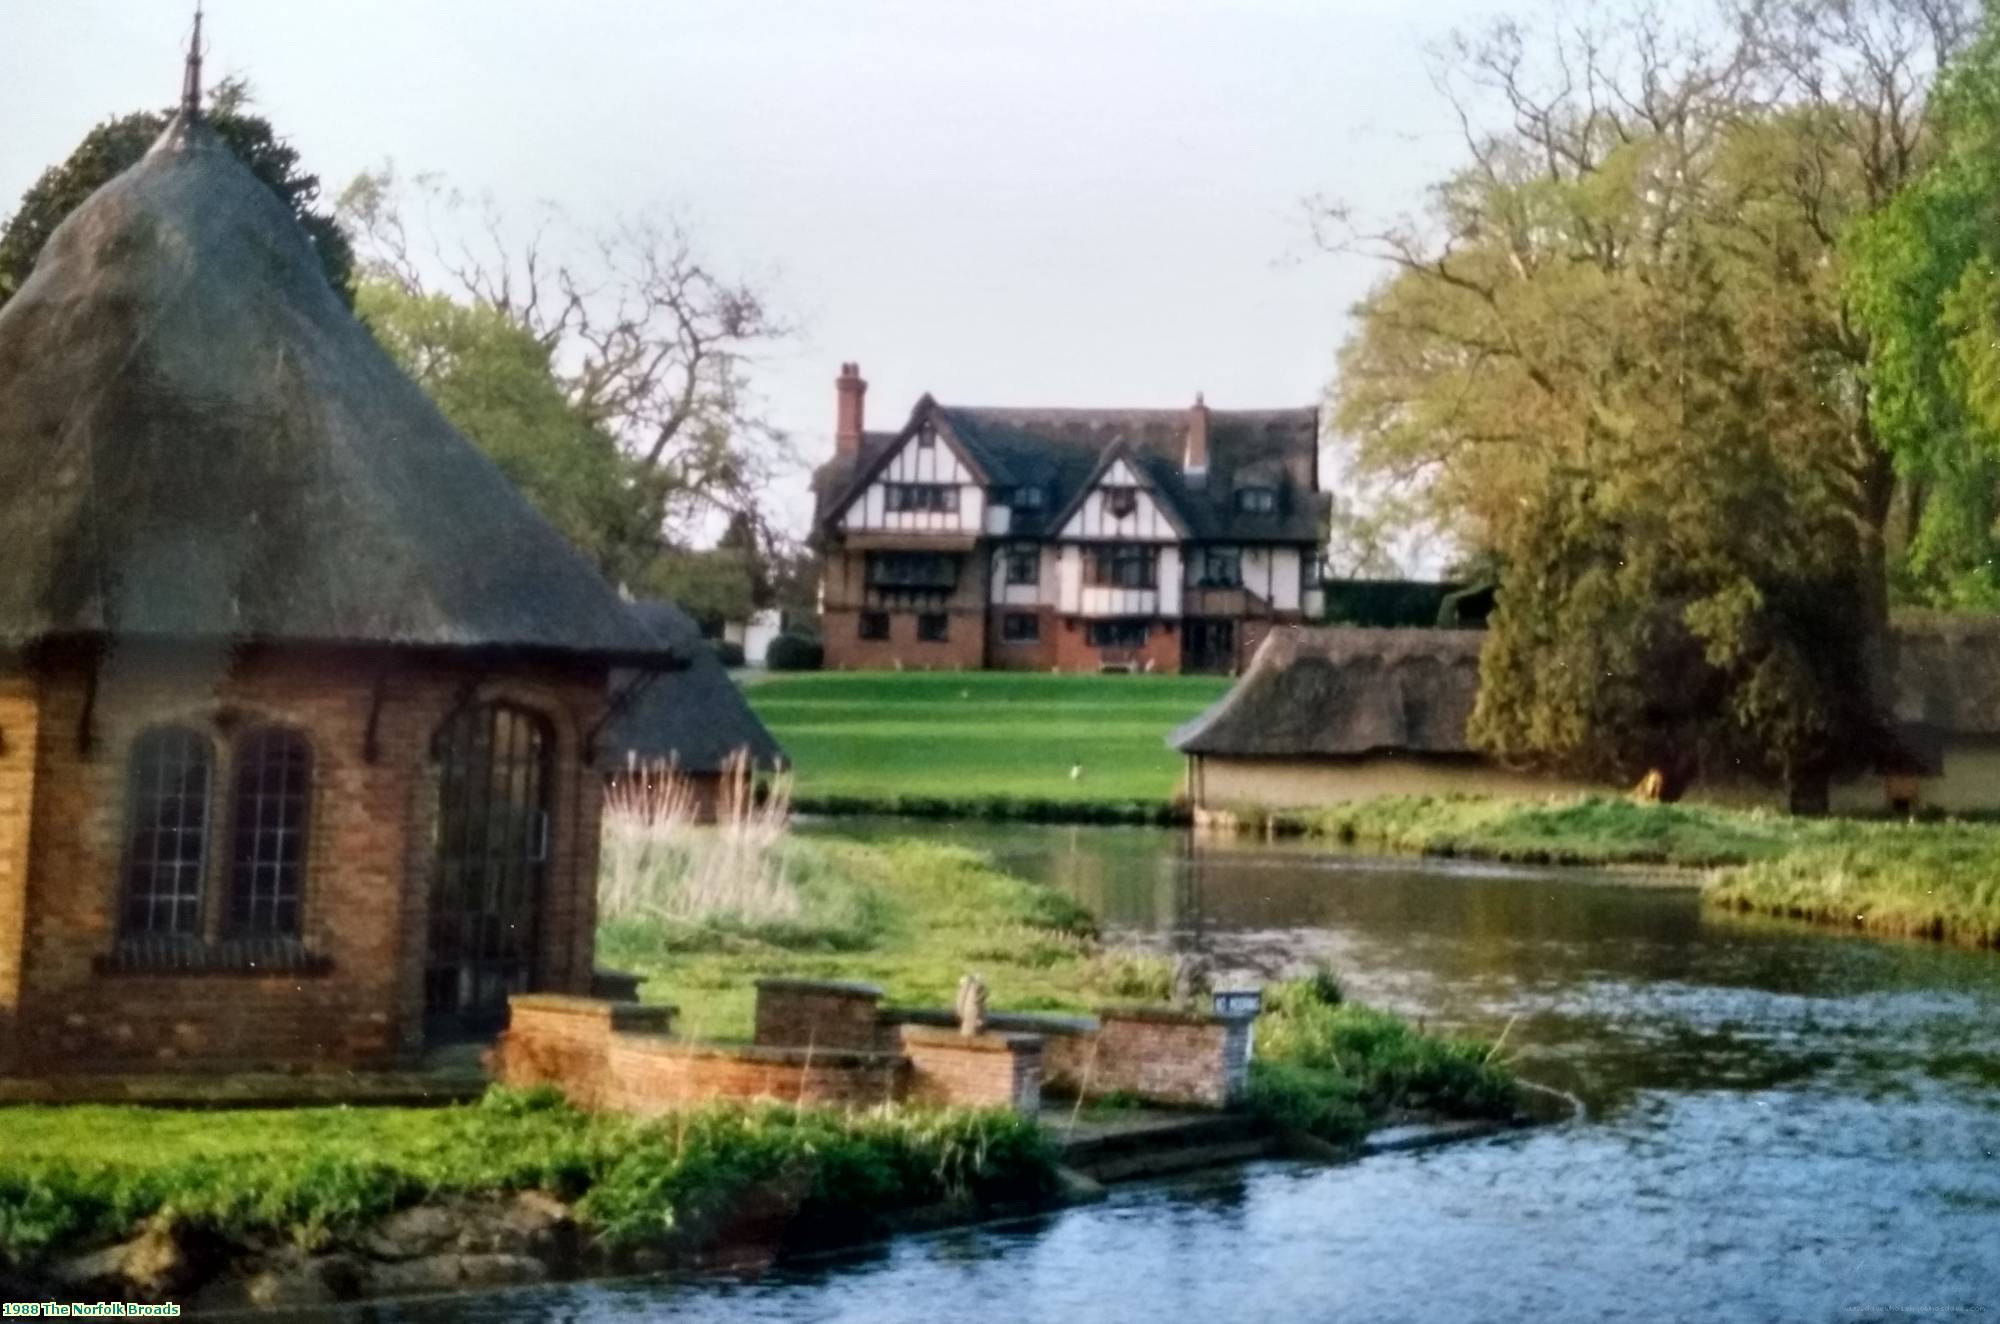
<point x="1156" y="539"/>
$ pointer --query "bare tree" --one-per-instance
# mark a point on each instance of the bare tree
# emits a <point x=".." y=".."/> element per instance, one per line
<point x="648" y="340"/>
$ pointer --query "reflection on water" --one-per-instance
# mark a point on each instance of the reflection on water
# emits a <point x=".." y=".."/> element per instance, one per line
<point x="1784" y="1125"/>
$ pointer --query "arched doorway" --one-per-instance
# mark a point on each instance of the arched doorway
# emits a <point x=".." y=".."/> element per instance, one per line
<point x="494" y="762"/>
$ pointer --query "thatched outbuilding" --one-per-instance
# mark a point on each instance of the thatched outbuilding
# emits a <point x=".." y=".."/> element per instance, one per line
<point x="299" y="698"/>
<point x="1336" y="714"/>
<point x="1341" y="713"/>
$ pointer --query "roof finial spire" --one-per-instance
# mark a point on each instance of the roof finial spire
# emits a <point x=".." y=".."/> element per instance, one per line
<point x="191" y="80"/>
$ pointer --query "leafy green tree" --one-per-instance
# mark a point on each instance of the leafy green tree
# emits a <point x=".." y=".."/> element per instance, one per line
<point x="1618" y="356"/>
<point x="1921" y="273"/>
<point x="494" y="381"/>
<point x="116" y="144"/>
<point x="713" y="586"/>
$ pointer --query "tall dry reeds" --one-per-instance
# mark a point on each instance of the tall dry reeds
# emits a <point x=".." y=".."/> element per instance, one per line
<point x="661" y="862"/>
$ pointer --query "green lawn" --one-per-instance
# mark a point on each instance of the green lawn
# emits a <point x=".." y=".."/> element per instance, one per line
<point x="982" y="734"/>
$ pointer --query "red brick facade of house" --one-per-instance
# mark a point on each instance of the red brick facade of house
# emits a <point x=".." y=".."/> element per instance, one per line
<point x="1008" y="538"/>
<point x="70" y="996"/>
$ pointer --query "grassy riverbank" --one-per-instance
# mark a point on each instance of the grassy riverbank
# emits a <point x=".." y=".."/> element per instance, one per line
<point x="234" y="1191"/>
<point x="1938" y="880"/>
<point x="909" y="916"/>
<point x="912" y="917"/>
<point x="1588" y="831"/>
<point x="1926" y="880"/>
<point x="316" y="1178"/>
<point x="1336" y="1070"/>
<point x="982" y="742"/>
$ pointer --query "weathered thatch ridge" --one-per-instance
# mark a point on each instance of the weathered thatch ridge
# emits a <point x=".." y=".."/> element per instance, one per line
<point x="1947" y="670"/>
<point x="1339" y="692"/>
<point x="198" y="441"/>
<point x="695" y="718"/>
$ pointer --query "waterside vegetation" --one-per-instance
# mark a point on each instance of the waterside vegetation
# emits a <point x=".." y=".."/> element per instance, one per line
<point x="321" y="1180"/>
<point x="1927" y="879"/>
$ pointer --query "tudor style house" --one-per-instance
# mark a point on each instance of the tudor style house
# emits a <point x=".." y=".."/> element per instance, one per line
<point x="1066" y="539"/>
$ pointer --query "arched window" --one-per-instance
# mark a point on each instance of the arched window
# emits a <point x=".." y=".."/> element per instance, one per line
<point x="166" y="840"/>
<point x="273" y="792"/>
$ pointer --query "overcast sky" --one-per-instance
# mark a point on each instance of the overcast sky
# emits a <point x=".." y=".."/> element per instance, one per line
<point x="1036" y="202"/>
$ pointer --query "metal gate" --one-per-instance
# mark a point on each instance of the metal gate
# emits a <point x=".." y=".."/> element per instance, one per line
<point x="492" y="860"/>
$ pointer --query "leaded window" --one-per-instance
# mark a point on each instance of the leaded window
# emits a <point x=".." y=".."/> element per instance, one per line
<point x="1125" y="566"/>
<point x="166" y="841"/>
<point x="273" y="794"/>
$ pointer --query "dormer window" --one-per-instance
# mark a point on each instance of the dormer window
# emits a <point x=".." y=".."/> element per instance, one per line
<point x="1256" y="500"/>
<point x="1120" y="502"/>
<point x="1027" y="498"/>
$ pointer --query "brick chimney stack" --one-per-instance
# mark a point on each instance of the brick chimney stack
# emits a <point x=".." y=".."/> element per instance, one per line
<point x="850" y="393"/>
<point x="1194" y="461"/>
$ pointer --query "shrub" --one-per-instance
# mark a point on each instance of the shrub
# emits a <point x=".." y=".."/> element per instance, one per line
<point x="728" y="653"/>
<point x="1320" y="1059"/>
<point x="795" y="652"/>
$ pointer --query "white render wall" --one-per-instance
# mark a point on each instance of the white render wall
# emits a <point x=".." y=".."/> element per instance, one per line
<point x="936" y="463"/>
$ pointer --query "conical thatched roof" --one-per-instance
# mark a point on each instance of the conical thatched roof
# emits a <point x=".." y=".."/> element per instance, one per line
<point x="1341" y="693"/>
<point x="197" y="440"/>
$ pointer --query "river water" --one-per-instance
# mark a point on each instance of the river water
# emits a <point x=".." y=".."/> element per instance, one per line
<point x="1783" y="1124"/>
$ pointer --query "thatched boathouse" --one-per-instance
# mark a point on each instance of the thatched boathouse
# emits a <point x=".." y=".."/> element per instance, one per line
<point x="1336" y="714"/>
<point x="298" y="696"/>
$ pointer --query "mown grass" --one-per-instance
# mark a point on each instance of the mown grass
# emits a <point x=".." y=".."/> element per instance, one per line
<point x="910" y="916"/>
<point x="1938" y="880"/>
<point x="1336" y="1070"/>
<point x="881" y="737"/>
<point x="77" y="1176"/>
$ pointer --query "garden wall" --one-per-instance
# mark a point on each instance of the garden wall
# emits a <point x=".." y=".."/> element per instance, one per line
<point x="826" y="1042"/>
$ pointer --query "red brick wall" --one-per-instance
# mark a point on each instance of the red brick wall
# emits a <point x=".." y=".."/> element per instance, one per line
<point x="20" y="714"/>
<point x="964" y="649"/>
<point x="1037" y="656"/>
<point x="798" y="1013"/>
<point x="617" y="1056"/>
<point x="652" y="1075"/>
<point x="976" y="1071"/>
<point x="1170" y="1057"/>
<point x="1162" y="649"/>
<point x="369" y="859"/>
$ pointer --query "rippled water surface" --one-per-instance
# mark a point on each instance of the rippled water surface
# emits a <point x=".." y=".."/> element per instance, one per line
<point x="1784" y="1124"/>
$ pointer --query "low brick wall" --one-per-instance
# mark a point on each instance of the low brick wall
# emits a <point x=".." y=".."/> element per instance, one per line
<point x="1167" y="1056"/>
<point x="619" y="1055"/>
<point x="1159" y="1054"/>
<point x="653" y="1074"/>
<point x="812" y="1049"/>
<point x="988" y="1070"/>
<point x="796" y="1013"/>
<point x="564" y="1041"/>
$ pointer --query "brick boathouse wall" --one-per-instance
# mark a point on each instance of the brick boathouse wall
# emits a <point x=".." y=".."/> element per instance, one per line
<point x="74" y="998"/>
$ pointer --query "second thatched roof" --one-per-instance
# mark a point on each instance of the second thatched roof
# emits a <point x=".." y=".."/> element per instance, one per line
<point x="694" y="718"/>
<point x="197" y="440"/>
<point x="1343" y="693"/>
